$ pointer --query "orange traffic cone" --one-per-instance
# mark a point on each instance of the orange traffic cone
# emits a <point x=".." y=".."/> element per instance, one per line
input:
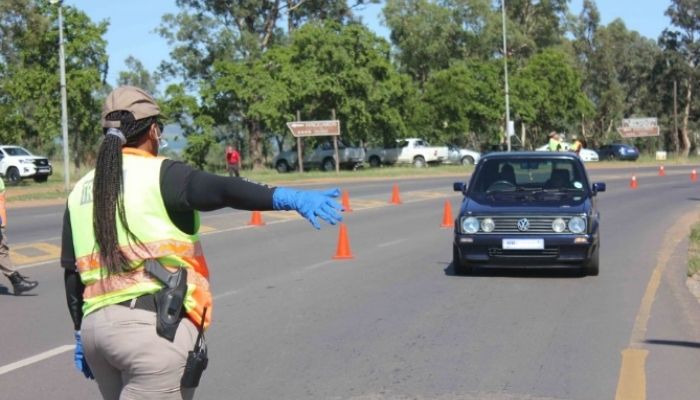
<point x="395" y="197"/>
<point x="662" y="172"/>
<point x="633" y="182"/>
<point x="343" y="251"/>
<point x="346" y="201"/>
<point x="447" y="221"/>
<point x="256" y="219"/>
<point x="693" y="176"/>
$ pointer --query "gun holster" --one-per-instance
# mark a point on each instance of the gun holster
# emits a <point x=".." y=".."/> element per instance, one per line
<point x="170" y="299"/>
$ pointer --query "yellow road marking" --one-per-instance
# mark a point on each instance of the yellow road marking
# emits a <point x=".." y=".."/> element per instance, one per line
<point x="206" y="228"/>
<point x="25" y="253"/>
<point x="631" y="384"/>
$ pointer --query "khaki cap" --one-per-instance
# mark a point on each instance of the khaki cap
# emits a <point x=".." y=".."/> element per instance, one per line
<point x="132" y="99"/>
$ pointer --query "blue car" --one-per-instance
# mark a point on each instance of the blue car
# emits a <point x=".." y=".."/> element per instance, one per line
<point x="618" y="151"/>
<point x="528" y="209"/>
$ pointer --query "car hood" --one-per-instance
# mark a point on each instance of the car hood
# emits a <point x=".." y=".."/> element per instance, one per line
<point x="482" y="204"/>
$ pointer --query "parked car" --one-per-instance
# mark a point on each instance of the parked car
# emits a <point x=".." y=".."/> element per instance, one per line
<point x="407" y="151"/>
<point x="321" y="157"/>
<point x="587" y="155"/>
<point x="528" y="209"/>
<point x="618" y="151"/>
<point x="456" y="155"/>
<point x="17" y="163"/>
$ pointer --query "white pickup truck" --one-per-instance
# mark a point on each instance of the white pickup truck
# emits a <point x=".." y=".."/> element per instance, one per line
<point x="321" y="157"/>
<point x="407" y="151"/>
<point x="17" y="163"/>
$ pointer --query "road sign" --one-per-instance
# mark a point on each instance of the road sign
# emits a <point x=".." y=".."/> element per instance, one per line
<point x="314" y="128"/>
<point x="638" y="127"/>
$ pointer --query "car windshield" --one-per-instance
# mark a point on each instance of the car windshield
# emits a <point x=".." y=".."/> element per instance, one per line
<point x="16" y="151"/>
<point x="529" y="175"/>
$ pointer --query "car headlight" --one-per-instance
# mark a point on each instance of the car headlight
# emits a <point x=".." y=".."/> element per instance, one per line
<point x="487" y="225"/>
<point x="470" y="225"/>
<point x="558" y="225"/>
<point x="577" y="225"/>
<point x="26" y="161"/>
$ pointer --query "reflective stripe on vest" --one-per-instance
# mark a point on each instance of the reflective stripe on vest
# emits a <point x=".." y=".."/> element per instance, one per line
<point x="149" y="221"/>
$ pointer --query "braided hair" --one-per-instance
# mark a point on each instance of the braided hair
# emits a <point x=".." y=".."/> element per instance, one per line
<point x="108" y="191"/>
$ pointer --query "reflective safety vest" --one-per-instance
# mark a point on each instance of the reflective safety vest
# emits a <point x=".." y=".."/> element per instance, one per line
<point x="149" y="221"/>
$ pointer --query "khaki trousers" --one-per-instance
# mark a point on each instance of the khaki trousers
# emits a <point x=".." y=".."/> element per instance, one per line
<point x="128" y="358"/>
<point x="5" y="262"/>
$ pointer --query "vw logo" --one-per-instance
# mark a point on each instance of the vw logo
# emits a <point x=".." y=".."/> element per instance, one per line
<point x="523" y="225"/>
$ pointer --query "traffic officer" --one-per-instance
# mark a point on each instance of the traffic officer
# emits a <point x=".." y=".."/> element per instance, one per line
<point x="20" y="283"/>
<point x="554" y="143"/>
<point x="134" y="208"/>
<point x="577" y="145"/>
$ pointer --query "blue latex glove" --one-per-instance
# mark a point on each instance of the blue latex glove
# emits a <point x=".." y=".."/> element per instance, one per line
<point x="79" y="358"/>
<point x="310" y="204"/>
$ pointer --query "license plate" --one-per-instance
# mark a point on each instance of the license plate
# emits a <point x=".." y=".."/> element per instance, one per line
<point x="523" y="244"/>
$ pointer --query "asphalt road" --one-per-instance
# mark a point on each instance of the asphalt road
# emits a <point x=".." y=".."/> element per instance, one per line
<point x="394" y="322"/>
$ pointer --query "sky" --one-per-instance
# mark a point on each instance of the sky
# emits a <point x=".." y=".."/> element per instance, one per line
<point x="132" y="24"/>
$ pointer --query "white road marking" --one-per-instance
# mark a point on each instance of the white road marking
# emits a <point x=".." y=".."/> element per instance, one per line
<point x="387" y="244"/>
<point x="225" y="294"/>
<point x="35" y="359"/>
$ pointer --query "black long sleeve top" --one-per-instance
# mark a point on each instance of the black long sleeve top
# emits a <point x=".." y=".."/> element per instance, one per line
<point x="184" y="190"/>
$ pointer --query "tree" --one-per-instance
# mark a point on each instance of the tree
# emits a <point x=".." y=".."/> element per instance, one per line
<point x="137" y="75"/>
<point x="29" y="77"/>
<point x="466" y="97"/>
<point x="685" y="40"/>
<point x="207" y="35"/>
<point x="546" y="93"/>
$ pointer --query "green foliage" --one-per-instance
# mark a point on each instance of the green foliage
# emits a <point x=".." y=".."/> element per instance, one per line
<point x="347" y="68"/>
<point x="466" y="97"/>
<point x="29" y="78"/>
<point x="198" y="146"/>
<point x="546" y="93"/>
<point x="137" y="75"/>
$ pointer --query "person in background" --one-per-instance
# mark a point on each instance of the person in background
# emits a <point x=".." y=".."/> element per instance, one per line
<point x="554" y="142"/>
<point x="233" y="161"/>
<point x="577" y="146"/>
<point x="19" y="282"/>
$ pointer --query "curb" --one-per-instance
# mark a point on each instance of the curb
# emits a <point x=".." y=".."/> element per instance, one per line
<point x="693" y="285"/>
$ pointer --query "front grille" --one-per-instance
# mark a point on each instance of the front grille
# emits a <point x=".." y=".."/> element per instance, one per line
<point x="537" y="224"/>
<point x="42" y="162"/>
<point x="551" y="252"/>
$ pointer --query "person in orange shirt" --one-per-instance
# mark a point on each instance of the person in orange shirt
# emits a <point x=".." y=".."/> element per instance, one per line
<point x="20" y="283"/>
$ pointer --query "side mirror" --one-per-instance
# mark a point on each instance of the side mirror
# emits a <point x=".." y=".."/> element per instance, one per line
<point x="459" y="187"/>
<point x="598" y="187"/>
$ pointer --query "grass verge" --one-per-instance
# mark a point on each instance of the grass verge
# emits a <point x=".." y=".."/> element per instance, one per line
<point x="694" y="250"/>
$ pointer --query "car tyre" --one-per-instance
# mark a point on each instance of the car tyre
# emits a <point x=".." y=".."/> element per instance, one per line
<point x="418" y="161"/>
<point x="467" y="160"/>
<point x="13" y="176"/>
<point x="459" y="267"/>
<point x="328" y="165"/>
<point x="41" y="178"/>
<point x="282" y="166"/>
<point x="375" y="162"/>
<point x="591" y="267"/>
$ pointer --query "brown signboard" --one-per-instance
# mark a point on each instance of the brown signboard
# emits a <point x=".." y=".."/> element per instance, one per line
<point x="638" y="127"/>
<point x="314" y="128"/>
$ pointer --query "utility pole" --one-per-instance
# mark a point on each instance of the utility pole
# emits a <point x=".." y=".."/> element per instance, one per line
<point x="505" y="71"/>
<point x="64" y="100"/>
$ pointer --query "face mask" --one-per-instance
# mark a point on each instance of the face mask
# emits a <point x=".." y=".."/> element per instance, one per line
<point x="162" y="143"/>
